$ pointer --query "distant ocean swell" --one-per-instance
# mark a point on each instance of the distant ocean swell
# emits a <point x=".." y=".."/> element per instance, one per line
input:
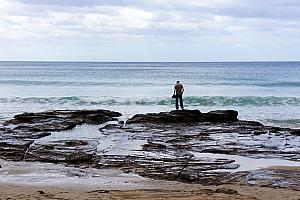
<point x="188" y="100"/>
<point x="122" y="84"/>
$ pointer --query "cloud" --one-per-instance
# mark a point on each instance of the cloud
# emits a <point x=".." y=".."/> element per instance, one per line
<point x="236" y="22"/>
<point x="128" y="16"/>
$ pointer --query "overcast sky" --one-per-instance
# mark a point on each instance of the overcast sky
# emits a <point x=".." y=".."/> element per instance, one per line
<point x="150" y="30"/>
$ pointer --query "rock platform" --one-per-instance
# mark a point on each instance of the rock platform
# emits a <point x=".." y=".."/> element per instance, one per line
<point x="172" y="145"/>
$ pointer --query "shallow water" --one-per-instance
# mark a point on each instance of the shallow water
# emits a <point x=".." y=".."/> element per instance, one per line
<point x="43" y="174"/>
<point x="248" y="164"/>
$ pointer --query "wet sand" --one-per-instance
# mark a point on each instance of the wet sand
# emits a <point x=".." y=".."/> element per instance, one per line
<point x="116" y="185"/>
<point x="162" y="191"/>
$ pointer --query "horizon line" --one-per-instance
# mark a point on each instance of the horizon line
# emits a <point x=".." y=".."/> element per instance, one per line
<point x="78" y="61"/>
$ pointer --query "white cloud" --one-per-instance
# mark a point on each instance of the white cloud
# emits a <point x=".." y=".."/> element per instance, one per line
<point x="192" y="17"/>
<point x="237" y="22"/>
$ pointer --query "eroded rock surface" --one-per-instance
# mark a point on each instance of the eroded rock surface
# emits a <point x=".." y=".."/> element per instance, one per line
<point x="172" y="145"/>
<point x="186" y="116"/>
<point x="21" y="131"/>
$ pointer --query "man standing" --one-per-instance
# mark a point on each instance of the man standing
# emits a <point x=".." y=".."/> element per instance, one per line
<point x="178" y="91"/>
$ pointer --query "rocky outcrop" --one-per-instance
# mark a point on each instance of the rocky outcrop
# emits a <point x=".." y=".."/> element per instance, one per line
<point x="59" y="120"/>
<point x="295" y="132"/>
<point x="21" y="131"/>
<point x="186" y="116"/>
<point x="220" y="116"/>
<point x="176" y="145"/>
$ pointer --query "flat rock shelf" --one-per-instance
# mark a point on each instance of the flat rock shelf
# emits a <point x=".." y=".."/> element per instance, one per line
<point x="184" y="146"/>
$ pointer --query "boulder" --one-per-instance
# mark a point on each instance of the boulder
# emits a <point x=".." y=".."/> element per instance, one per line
<point x="176" y="116"/>
<point x="295" y="132"/>
<point x="186" y="116"/>
<point x="221" y="116"/>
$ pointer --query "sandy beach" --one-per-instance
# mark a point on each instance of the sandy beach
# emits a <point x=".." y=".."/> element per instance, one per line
<point x="193" y="192"/>
<point x="116" y="185"/>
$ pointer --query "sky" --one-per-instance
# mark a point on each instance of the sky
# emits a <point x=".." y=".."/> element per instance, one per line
<point x="150" y="30"/>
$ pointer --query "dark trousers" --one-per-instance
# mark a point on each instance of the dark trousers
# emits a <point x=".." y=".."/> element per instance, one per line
<point x="179" y="96"/>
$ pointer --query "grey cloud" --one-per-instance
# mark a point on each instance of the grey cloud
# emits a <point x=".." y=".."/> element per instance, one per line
<point x="80" y="3"/>
<point x="173" y="18"/>
<point x="278" y="9"/>
<point x="279" y="12"/>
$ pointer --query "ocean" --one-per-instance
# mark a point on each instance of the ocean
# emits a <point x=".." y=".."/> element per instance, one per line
<point x="268" y="92"/>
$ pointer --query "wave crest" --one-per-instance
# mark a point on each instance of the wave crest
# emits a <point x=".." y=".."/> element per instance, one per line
<point x="188" y="100"/>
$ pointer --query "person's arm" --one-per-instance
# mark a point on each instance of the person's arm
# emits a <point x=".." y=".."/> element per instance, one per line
<point x="182" y="89"/>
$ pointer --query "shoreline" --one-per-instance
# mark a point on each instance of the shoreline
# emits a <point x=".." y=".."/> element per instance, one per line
<point x="90" y="154"/>
<point x="160" y="190"/>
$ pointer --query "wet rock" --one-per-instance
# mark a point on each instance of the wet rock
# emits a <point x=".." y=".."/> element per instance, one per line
<point x="13" y="149"/>
<point x="221" y="116"/>
<point x="276" y="178"/>
<point x="75" y="143"/>
<point x="41" y="192"/>
<point x="188" y="176"/>
<point x="186" y="116"/>
<point x="98" y="118"/>
<point x="152" y="145"/>
<point x="21" y="131"/>
<point x="63" y="119"/>
<point x="219" y="151"/>
<point x="169" y="145"/>
<point x="180" y="116"/>
<point x="226" y="191"/>
<point x="110" y="127"/>
<point x="295" y="132"/>
<point x="68" y="151"/>
<point x="249" y="123"/>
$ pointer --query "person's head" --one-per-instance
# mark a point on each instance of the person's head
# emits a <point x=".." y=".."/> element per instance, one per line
<point x="177" y="81"/>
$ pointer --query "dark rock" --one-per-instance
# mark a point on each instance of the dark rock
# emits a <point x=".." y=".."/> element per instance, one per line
<point x="188" y="176"/>
<point x="226" y="191"/>
<point x="71" y="152"/>
<point x="13" y="149"/>
<point x="79" y="157"/>
<point x="259" y="132"/>
<point x="295" y="132"/>
<point x="169" y="145"/>
<point x="276" y="178"/>
<point x="249" y="123"/>
<point x="28" y="127"/>
<point x="98" y="118"/>
<point x="76" y="117"/>
<point x="219" y="151"/>
<point x="180" y="116"/>
<point x="75" y="143"/>
<point x="110" y="127"/>
<point x="152" y="145"/>
<point x="186" y="116"/>
<point x="221" y="116"/>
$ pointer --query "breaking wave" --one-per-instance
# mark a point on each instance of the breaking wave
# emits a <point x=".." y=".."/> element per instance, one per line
<point x="188" y="100"/>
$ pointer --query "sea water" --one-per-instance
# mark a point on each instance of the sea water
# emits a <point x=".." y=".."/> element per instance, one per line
<point x="268" y="92"/>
